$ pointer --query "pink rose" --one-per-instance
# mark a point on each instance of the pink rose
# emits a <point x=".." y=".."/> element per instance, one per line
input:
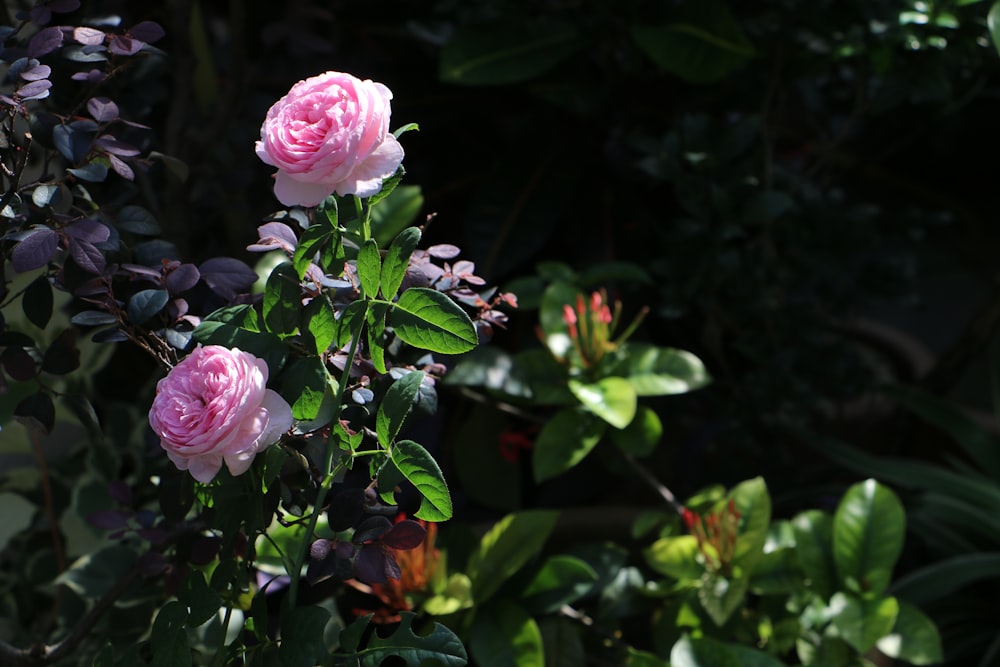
<point x="330" y="133"/>
<point x="214" y="407"/>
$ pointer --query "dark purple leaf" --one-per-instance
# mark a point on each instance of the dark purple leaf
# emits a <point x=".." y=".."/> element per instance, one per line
<point x="121" y="168"/>
<point x="274" y="235"/>
<point x="72" y="141"/>
<point x="111" y="145"/>
<point x="91" y="231"/>
<point x="183" y="278"/>
<point x="145" y="304"/>
<point x="18" y="363"/>
<point x="63" y="356"/>
<point x="226" y="276"/>
<point x="120" y="492"/>
<point x="37" y="301"/>
<point x="92" y="76"/>
<point x="35" y="90"/>
<point x="151" y="563"/>
<point x="370" y="564"/>
<point x="405" y="535"/>
<point x="40" y="15"/>
<point x="140" y="272"/>
<point x="371" y="529"/>
<point x="344" y="550"/>
<point x="35" y="251"/>
<point x="392" y="570"/>
<point x="45" y="41"/>
<point x="346" y="509"/>
<point x="37" y="409"/>
<point x="108" y="519"/>
<point x="95" y="172"/>
<point x="36" y="71"/>
<point x="63" y="6"/>
<point x="102" y="109"/>
<point x="125" y="46"/>
<point x="147" y="31"/>
<point x="93" y="318"/>
<point x="443" y="251"/>
<point x="88" y="36"/>
<point x="88" y="257"/>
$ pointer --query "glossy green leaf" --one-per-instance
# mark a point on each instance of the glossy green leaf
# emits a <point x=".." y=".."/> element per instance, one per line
<point x="321" y="323"/>
<point x="659" y="371"/>
<point x="561" y="580"/>
<point x="282" y="301"/>
<point x="396" y="406"/>
<point x="351" y="322"/>
<point x="302" y="642"/>
<point x="388" y="185"/>
<point x="862" y="622"/>
<point x="701" y="43"/>
<point x="642" y="435"/>
<point x="753" y="502"/>
<point x="505" y="548"/>
<point x="914" y="638"/>
<point x="702" y="652"/>
<point x="814" y="543"/>
<point x="868" y="531"/>
<point x="564" y="441"/>
<point x="397" y="258"/>
<point x="423" y="472"/>
<point x="37" y="301"/>
<point x="720" y="596"/>
<point x="375" y="319"/>
<point x="369" y="269"/>
<point x="504" y="635"/>
<point x="429" y="320"/>
<point x="303" y="385"/>
<point x="441" y="645"/>
<point x="311" y="243"/>
<point x="675" y="556"/>
<point x="776" y="573"/>
<point x="611" y="398"/>
<point x="505" y="51"/>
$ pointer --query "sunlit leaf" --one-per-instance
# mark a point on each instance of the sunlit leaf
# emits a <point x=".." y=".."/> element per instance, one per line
<point x="429" y="320"/>
<point x="423" y="472"/>
<point x="397" y="258"/>
<point x="505" y="548"/>
<point x="396" y="406"/>
<point x="868" y="532"/>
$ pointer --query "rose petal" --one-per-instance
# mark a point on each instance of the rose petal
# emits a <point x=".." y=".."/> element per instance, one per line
<point x="293" y="192"/>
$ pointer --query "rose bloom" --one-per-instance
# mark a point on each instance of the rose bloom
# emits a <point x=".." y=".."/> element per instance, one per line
<point x="214" y="407"/>
<point x="330" y="133"/>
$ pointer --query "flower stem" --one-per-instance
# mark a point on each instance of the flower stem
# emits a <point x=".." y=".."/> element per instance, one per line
<point x="329" y="473"/>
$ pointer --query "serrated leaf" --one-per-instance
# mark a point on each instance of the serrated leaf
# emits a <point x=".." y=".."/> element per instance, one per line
<point x="397" y="258"/>
<point x="282" y="300"/>
<point x="612" y="399"/>
<point x="868" y="532"/>
<point x="351" y="322"/>
<point x="375" y="319"/>
<point x="505" y="548"/>
<point x="145" y="304"/>
<point x="369" y="269"/>
<point x="429" y="320"/>
<point x="302" y="642"/>
<point x="441" y="645"/>
<point x="304" y="383"/>
<point x="321" y="323"/>
<point x="423" y="472"/>
<point x="396" y="406"/>
<point x="564" y="441"/>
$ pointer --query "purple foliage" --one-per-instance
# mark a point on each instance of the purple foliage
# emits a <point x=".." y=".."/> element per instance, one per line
<point x="182" y="278"/>
<point x="88" y="230"/>
<point x="35" y="90"/>
<point x="88" y="257"/>
<point x="120" y="492"/>
<point x="88" y="36"/>
<point x="35" y="251"/>
<point x="274" y="235"/>
<point x="102" y="109"/>
<point x="108" y="519"/>
<point x="147" y="31"/>
<point x="227" y="277"/>
<point x="45" y="41"/>
<point x="405" y="535"/>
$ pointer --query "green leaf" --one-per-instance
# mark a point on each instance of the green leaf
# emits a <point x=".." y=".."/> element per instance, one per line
<point x="720" y="596"/>
<point x="312" y="242"/>
<point x="505" y="548"/>
<point x="422" y="471"/>
<point x="375" y="318"/>
<point x="993" y="23"/>
<point x="397" y="258"/>
<point x="394" y="214"/>
<point x="396" y="406"/>
<point x="702" y="652"/>
<point x="203" y="603"/>
<point x="562" y="642"/>
<point x="282" y="300"/>
<point x="564" y="441"/>
<point x="611" y="398"/>
<point x="702" y="42"/>
<point x="351" y="322"/>
<point x="441" y="645"/>
<point x="862" y="622"/>
<point x="303" y="385"/>
<point x="37" y="301"/>
<point x="302" y="637"/>
<point x="169" y="638"/>
<point x="388" y="185"/>
<point x="94" y="574"/>
<point x="753" y="503"/>
<point x="504" y="635"/>
<point x="550" y="315"/>
<point x="429" y="320"/>
<point x="642" y="435"/>
<point x="505" y="51"/>
<point x="321" y="323"/>
<point x="17" y="515"/>
<point x="776" y="573"/>
<point x="369" y="269"/>
<point x="676" y="557"/>
<point x="659" y="371"/>
<point x="814" y="544"/>
<point x="913" y="639"/>
<point x="561" y="580"/>
<point x="749" y="657"/>
<point x="351" y="636"/>
<point x="868" y="531"/>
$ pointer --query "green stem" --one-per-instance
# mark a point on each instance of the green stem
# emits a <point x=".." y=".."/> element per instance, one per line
<point x="330" y="472"/>
<point x="364" y="217"/>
